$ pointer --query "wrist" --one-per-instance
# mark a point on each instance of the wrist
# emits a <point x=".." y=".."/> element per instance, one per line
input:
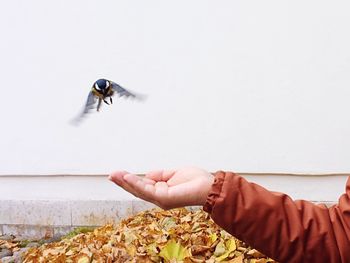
<point x="215" y="191"/>
<point x="206" y="187"/>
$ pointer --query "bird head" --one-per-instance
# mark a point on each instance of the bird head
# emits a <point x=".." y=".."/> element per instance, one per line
<point x="102" y="86"/>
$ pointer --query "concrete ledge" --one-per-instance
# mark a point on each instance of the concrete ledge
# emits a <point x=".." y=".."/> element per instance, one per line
<point x="91" y="214"/>
<point x="47" y="219"/>
<point x="45" y="207"/>
<point x="35" y="212"/>
<point x="31" y="232"/>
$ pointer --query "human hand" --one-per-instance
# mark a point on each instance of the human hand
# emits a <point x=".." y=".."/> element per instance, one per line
<point x="167" y="189"/>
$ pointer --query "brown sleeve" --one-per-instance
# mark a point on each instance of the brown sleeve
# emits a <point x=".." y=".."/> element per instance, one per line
<point x="283" y="229"/>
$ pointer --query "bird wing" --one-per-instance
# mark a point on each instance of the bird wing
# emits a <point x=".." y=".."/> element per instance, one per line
<point x="121" y="91"/>
<point x="90" y="104"/>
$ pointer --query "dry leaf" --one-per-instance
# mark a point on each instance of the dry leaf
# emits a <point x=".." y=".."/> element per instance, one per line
<point x="177" y="235"/>
<point x="174" y="251"/>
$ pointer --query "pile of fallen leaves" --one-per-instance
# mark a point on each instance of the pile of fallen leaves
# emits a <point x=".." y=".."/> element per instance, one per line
<point x="11" y="245"/>
<point x="177" y="235"/>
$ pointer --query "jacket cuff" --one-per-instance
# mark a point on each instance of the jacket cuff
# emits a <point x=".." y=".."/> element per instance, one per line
<point x="214" y="192"/>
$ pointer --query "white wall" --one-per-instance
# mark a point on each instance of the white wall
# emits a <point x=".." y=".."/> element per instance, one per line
<point x="258" y="86"/>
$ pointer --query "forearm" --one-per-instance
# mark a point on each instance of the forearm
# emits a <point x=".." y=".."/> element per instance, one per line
<point x="279" y="227"/>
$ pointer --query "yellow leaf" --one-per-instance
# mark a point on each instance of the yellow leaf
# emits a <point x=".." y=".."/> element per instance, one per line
<point x="238" y="259"/>
<point x="131" y="249"/>
<point x="171" y="236"/>
<point x="224" y="234"/>
<point x="152" y="249"/>
<point x="82" y="259"/>
<point x="213" y="237"/>
<point x="186" y="218"/>
<point x="167" y="223"/>
<point x="173" y="250"/>
<point x="129" y="237"/>
<point x="230" y="247"/>
<point x="220" y="249"/>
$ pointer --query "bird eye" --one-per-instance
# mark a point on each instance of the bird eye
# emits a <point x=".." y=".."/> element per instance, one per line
<point x="97" y="87"/>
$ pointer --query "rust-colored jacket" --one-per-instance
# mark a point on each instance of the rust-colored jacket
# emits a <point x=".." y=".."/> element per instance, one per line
<point x="285" y="230"/>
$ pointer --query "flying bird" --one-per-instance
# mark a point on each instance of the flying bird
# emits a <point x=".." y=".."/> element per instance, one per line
<point x="102" y="91"/>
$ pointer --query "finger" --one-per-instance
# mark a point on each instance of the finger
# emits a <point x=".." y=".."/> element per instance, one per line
<point x="162" y="175"/>
<point x="143" y="186"/>
<point x="117" y="177"/>
<point x="134" y="190"/>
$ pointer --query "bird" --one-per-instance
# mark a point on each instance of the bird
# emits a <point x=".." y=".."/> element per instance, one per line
<point x="101" y="91"/>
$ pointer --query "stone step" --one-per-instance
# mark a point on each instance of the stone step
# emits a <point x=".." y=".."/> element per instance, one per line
<point x="49" y="206"/>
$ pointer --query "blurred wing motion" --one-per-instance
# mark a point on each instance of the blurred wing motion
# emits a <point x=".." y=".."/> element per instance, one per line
<point x="101" y="91"/>
<point x="121" y="91"/>
<point x="89" y="105"/>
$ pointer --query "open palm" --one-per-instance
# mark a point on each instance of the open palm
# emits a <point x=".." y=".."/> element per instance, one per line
<point x="167" y="189"/>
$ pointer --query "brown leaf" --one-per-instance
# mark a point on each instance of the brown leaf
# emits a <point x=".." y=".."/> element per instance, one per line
<point x="141" y="238"/>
